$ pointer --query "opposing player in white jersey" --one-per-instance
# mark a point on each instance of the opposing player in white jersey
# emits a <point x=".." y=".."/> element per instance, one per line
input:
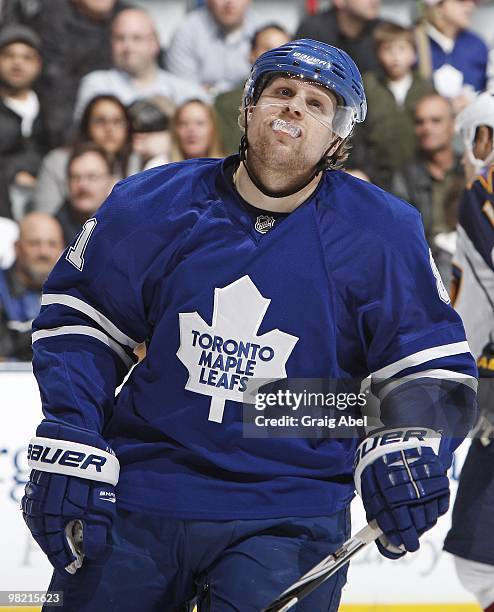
<point x="268" y="265"/>
<point x="471" y="537"/>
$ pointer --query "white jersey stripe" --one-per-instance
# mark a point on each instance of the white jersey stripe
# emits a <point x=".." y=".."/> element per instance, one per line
<point x="456" y="348"/>
<point x="464" y="379"/>
<point x="84" y="330"/>
<point x="100" y="319"/>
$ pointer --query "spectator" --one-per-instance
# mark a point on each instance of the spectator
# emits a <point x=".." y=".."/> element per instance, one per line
<point x="37" y="249"/>
<point x="106" y="123"/>
<point x="434" y="179"/>
<point x="135" y="73"/>
<point x="226" y="104"/>
<point x="9" y="232"/>
<point x="349" y="25"/>
<point x="76" y="40"/>
<point x="150" y="120"/>
<point x="454" y="56"/>
<point x="212" y="44"/>
<point x="195" y="132"/>
<point x="391" y="98"/>
<point x="90" y="181"/>
<point x="21" y="122"/>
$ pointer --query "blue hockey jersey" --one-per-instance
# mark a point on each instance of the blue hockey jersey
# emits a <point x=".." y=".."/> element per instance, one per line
<point x="341" y="288"/>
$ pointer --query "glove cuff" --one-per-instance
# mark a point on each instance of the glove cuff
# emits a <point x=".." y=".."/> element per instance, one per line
<point x="61" y="448"/>
<point x="386" y="441"/>
<point x="73" y="459"/>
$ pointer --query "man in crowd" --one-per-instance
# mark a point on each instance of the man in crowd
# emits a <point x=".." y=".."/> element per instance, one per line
<point x="211" y="46"/>
<point x="135" y="73"/>
<point x="434" y="179"/>
<point x="89" y="181"/>
<point x="76" y="36"/>
<point x="22" y="132"/>
<point x="37" y="249"/>
<point x="267" y="37"/>
<point x="348" y="24"/>
<point x="268" y="265"/>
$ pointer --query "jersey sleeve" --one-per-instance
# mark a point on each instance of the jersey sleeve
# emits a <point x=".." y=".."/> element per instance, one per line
<point x="421" y="366"/>
<point x="473" y="265"/>
<point x="92" y="317"/>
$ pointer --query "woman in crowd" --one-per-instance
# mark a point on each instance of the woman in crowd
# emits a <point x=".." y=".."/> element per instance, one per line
<point x="195" y="132"/>
<point x="453" y="55"/>
<point x="105" y="122"/>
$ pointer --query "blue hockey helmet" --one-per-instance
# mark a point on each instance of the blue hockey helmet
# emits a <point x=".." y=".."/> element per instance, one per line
<point x="317" y="62"/>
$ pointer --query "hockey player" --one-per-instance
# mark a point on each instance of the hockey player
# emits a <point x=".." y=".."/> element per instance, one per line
<point x="473" y="521"/>
<point x="266" y="265"/>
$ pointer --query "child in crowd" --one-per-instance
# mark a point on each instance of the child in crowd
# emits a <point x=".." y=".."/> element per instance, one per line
<point x="386" y="140"/>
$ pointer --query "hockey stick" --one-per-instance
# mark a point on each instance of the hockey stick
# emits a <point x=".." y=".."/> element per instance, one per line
<point x="325" y="569"/>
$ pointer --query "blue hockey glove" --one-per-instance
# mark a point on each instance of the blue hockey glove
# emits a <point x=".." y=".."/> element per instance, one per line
<point x="403" y="485"/>
<point x="69" y="501"/>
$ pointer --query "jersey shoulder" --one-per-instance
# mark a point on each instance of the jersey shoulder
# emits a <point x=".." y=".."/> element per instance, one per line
<point x="146" y="214"/>
<point x="162" y="190"/>
<point x="367" y="209"/>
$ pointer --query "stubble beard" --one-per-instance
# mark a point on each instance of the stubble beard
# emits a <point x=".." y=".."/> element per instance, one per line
<point x="282" y="166"/>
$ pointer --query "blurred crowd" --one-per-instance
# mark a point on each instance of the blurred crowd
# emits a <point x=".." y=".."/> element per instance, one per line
<point x="88" y="96"/>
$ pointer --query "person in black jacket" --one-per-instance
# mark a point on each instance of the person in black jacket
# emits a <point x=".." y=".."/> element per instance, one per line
<point x="349" y="25"/>
<point x="76" y="37"/>
<point x="21" y="122"/>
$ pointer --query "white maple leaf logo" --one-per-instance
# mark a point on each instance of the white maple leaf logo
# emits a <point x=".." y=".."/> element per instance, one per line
<point x="224" y="357"/>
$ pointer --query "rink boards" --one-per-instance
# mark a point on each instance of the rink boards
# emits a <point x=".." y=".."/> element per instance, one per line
<point x="423" y="581"/>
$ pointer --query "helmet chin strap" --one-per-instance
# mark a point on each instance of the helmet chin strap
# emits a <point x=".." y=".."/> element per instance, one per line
<point x="244" y="144"/>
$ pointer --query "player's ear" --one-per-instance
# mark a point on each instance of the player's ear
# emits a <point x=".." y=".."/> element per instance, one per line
<point x="249" y="112"/>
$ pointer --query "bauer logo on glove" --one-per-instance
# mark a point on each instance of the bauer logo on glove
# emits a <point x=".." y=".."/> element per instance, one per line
<point x="63" y="457"/>
<point x="403" y="485"/>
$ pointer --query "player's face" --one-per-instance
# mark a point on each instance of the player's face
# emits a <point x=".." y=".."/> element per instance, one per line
<point x="482" y="147"/>
<point x="457" y="13"/>
<point x="134" y="43"/>
<point x="108" y="126"/>
<point x="89" y="183"/>
<point x="229" y="13"/>
<point x="194" y="130"/>
<point x="397" y="58"/>
<point x="20" y="65"/>
<point x="434" y="124"/>
<point x="291" y="125"/>
<point x="268" y="39"/>
<point x="38" y="248"/>
<point x="360" y="9"/>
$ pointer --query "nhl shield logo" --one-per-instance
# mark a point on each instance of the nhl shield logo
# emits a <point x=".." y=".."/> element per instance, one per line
<point x="264" y="223"/>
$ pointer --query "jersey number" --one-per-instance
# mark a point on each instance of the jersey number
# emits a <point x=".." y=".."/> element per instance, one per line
<point x="75" y="254"/>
